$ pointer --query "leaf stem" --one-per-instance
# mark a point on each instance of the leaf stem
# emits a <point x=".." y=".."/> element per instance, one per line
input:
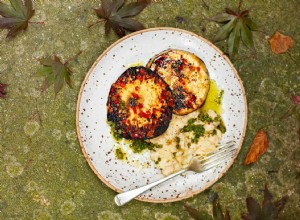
<point x="73" y="57"/>
<point x="91" y="25"/>
<point x="37" y="114"/>
<point x="37" y="22"/>
<point x="240" y="5"/>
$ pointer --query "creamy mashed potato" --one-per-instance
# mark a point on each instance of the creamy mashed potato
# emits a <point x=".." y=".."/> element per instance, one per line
<point x="191" y="135"/>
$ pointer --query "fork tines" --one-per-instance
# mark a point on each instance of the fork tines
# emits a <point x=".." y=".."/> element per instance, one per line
<point x="224" y="153"/>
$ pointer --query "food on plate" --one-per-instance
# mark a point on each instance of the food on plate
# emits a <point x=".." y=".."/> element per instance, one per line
<point x="187" y="76"/>
<point x="195" y="134"/>
<point x="139" y="104"/>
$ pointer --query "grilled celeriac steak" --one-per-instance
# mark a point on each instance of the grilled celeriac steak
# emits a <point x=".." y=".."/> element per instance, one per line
<point x="140" y="104"/>
<point x="187" y="77"/>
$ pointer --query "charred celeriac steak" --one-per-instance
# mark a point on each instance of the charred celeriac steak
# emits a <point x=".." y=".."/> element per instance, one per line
<point x="140" y="104"/>
<point x="187" y="76"/>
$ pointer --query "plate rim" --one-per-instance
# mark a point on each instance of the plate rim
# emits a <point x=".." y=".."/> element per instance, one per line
<point x="190" y="193"/>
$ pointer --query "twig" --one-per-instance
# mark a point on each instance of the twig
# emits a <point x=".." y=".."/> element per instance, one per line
<point x="205" y="5"/>
<point x="37" y="22"/>
<point x="91" y="25"/>
<point x="240" y="5"/>
<point x="71" y="58"/>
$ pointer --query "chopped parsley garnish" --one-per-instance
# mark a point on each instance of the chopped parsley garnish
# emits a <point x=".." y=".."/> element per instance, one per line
<point x="191" y="121"/>
<point x="214" y="132"/>
<point x="139" y="145"/>
<point x="205" y="117"/>
<point x="198" y="130"/>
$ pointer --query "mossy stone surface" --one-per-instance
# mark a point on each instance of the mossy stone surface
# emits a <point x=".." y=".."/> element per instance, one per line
<point x="43" y="173"/>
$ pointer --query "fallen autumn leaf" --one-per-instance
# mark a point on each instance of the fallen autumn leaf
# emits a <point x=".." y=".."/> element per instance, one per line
<point x="258" y="147"/>
<point x="268" y="209"/>
<point x="117" y="16"/>
<point x="3" y="90"/>
<point x="55" y="72"/>
<point x="280" y="43"/>
<point x="15" y="16"/>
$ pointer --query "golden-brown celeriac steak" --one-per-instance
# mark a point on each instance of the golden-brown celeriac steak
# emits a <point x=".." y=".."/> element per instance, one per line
<point x="187" y="76"/>
<point x="140" y="104"/>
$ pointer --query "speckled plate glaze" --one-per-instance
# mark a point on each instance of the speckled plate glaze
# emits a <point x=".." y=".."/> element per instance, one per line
<point x="94" y="133"/>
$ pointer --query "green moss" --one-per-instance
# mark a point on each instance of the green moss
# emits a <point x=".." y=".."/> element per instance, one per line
<point x="14" y="169"/>
<point x="31" y="127"/>
<point x="109" y="215"/>
<point x="67" y="207"/>
<point x="42" y="215"/>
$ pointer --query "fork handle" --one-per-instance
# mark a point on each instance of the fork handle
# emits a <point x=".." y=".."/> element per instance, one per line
<point x="125" y="197"/>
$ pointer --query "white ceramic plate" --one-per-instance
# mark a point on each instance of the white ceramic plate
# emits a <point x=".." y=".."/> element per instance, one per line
<point x="94" y="133"/>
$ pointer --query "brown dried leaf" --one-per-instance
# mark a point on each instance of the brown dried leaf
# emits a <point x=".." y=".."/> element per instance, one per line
<point x="3" y="90"/>
<point x="216" y="207"/>
<point x="268" y="210"/>
<point x="195" y="214"/>
<point x="116" y="15"/>
<point x="258" y="147"/>
<point x="280" y="43"/>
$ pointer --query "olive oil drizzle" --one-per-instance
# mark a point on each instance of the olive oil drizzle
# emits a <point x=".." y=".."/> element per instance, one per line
<point x="214" y="99"/>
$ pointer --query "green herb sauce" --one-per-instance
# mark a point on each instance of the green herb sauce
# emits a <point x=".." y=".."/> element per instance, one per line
<point x="204" y="117"/>
<point x="114" y="132"/>
<point x="138" y="146"/>
<point x="198" y="130"/>
<point x="120" y="154"/>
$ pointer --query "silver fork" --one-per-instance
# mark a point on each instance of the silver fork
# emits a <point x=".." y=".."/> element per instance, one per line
<point x="197" y="164"/>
